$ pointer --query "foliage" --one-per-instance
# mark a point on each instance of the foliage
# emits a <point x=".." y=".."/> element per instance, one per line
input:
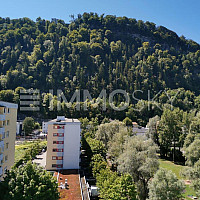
<point x="116" y="144"/>
<point x="152" y="131"/>
<point x="28" y="125"/>
<point x="29" y="181"/>
<point x="194" y="175"/>
<point x="98" y="163"/>
<point x="96" y="146"/>
<point x="106" y="131"/>
<point x="37" y="126"/>
<point x="127" y="121"/>
<point x="139" y="159"/>
<point x="27" y="151"/>
<point x="170" y="130"/>
<point x="112" y="186"/>
<point x="165" y="185"/>
<point x="98" y="52"/>
<point x="192" y="152"/>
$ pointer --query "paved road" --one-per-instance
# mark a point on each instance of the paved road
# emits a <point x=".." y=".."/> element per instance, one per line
<point x="41" y="160"/>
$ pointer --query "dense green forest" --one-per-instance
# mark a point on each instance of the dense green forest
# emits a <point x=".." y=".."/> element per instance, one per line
<point x="98" y="52"/>
<point x="95" y="52"/>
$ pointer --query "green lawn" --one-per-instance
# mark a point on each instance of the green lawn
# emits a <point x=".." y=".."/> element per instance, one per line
<point x="20" y="149"/>
<point x="177" y="169"/>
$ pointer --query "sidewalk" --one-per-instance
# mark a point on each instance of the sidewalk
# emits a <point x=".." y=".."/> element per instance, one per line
<point x="40" y="160"/>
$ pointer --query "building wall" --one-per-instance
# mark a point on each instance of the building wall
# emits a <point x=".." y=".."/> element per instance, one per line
<point x="71" y="146"/>
<point x="50" y="146"/>
<point x="70" y="153"/>
<point x="140" y="131"/>
<point x="9" y="126"/>
<point x="44" y="127"/>
<point x="19" y="128"/>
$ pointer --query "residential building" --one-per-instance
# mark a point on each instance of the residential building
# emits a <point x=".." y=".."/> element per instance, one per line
<point x="8" y="118"/>
<point x="44" y="127"/>
<point x="138" y="130"/>
<point x="19" y="127"/>
<point x="135" y="125"/>
<point x="63" y="144"/>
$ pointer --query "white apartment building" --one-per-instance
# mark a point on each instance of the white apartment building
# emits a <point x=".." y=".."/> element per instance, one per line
<point x="44" y="127"/>
<point x="63" y="144"/>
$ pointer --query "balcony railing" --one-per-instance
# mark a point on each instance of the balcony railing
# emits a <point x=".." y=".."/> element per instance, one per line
<point x="60" y="138"/>
<point x="59" y="162"/>
<point x="1" y="146"/>
<point x="1" y="171"/>
<point x="2" y="133"/>
<point x="2" y="117"/>
<point x="1" y="158"/>
<point x="2" y="130"/>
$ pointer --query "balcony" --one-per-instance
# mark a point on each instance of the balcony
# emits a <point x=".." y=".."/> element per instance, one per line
<point x="60" y="146"/>
<point x="60" y="138"/>
<point x="2" y="133"/>
<point x="1" y="158"/>
<point x="59" y="153"/>
<point x="60" y="130"/>
<point x="1" y="171"/>
<point x="2" y="117"/>
<point x="59" y="162"/>
<point x="1" y="147"/>
<point x="2" y="130"/>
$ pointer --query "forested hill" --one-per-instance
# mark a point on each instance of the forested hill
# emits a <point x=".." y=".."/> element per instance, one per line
<point x="96" y="52"/>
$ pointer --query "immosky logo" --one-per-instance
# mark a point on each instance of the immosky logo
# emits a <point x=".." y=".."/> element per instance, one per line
<point x="31" y="99"/>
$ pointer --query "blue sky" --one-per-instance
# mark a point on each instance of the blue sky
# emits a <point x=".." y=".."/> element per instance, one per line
<point x="181" y="16"/>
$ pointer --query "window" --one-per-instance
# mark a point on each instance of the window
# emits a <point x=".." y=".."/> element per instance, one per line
<point x="6" y="158"/>
<point x="7" y="145"/>
<point x="3" y="136"/>
<point x="57" y="158"/>
<point x="54" y="127"/>
<point x="8" y="110"/>
<point x="57" y="166"/>
<point x="58" y="134"/>
<point x="58" y="142"/>
<point x="4" y="110"/>
<point x="8" y="122"/>
<point x="58" y="127"/>
<point x="4" y="123"/>
<point x="54" y="157"/>
<point x="57" y="150"/>
<point x="7" y="134"/>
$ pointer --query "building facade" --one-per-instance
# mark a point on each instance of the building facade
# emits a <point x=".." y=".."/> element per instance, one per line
<point x="63" y="144"/>
<point x="19" y="127"/>
<point x="8" y="118"/>
<point x="44" y="127"/>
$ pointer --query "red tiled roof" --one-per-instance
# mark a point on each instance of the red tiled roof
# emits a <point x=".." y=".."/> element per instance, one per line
<point x="73" y="192"/>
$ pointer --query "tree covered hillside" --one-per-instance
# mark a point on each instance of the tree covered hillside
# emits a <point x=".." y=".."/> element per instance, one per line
<point x="95" y="52"/>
